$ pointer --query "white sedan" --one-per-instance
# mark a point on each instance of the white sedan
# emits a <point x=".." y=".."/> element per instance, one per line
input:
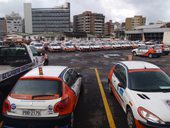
<point x="143" y="91"/>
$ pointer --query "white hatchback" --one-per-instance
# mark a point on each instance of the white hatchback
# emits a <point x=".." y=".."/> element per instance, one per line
<point x="143" y="91"/>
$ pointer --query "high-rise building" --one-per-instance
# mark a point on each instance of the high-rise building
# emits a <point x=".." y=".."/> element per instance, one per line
<point x="28" y="18"/>
<point x="14" y="23"/>
<point x="132" y="23"/>
<point x="39" y="20"/>
<point x="3" y="28"/>
<point x="91" y="23"/>
<point x="108" y="28"/>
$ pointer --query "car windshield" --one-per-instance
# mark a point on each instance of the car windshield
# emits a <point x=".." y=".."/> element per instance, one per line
<point x="54" y="45"/>
<point x="68" y="45"/>
<point x="156" y="81"/>
<point x="38" y="45"/>
<point x="38" y="87"/>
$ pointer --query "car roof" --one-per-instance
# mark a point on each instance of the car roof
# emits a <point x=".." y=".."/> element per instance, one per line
<point x="139" y="65"/>
<point x="50" y="71"/>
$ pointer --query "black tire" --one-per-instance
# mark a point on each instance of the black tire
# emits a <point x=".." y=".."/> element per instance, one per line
<point x="134" y="53"/>
<point x="130" y="119"/>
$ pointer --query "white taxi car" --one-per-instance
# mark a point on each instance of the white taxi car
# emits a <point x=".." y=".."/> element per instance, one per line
<point x="44" y="97"/>
<point x="54" y="47"/>
<point x="143" y="91"/>
<point x="148" y="51"/>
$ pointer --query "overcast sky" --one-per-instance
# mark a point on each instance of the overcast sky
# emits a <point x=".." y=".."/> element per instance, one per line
<point x="115" y="10"/>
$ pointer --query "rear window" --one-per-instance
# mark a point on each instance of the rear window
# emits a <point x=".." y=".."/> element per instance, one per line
<point x="38" y="87"/>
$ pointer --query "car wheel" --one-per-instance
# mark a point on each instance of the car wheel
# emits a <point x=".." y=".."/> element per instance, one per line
<point x="130" y="119"/>
<point x="71" y="121"/>
<point x="150" y="55"/>
<point x="134" y="53"/>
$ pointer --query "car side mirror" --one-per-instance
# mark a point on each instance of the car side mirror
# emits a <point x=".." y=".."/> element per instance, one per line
<point x="39" y="54"/>
<point x="79" y="75"/>
<point x="121" y="85"/>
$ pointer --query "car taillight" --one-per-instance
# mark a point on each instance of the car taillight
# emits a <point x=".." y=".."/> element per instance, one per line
<point x="62" y="106"/>
<point x="6" y="107"/>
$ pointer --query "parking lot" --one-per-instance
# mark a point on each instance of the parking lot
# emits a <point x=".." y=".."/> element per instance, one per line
<point x="90" y="111"/>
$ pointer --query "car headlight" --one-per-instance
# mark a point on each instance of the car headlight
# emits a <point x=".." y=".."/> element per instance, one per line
<point x="149" y="116"/>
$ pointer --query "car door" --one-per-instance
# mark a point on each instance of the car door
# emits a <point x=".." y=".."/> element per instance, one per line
<point x="119" y="77"/>
<point x="77" y="80"/>
<point x="141" y="50"/>
<point x="37" y="57"/>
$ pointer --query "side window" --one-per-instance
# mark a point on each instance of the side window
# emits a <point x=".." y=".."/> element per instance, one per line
<point x="117" y="71"/>
<point x="74" y="75"/>
<point x="123" y="75"/>
<point x="120" y="73"/>
<point x="34" y="51"/>
<point x="68" y="78"/>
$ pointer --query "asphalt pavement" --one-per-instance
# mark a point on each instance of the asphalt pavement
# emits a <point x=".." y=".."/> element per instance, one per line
<point x="90" y="111"/>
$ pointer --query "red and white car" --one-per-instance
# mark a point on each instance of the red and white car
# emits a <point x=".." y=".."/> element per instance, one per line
<point x="143" y="91"/>
<point x="45" y="96"/>
<point x="165" y="49"/>
<point x="68" y="47"/>
<point x="148" y="51"/>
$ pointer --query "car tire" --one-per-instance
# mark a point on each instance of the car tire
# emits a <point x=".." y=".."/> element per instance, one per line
<point x="150" y="55"/>
<point x="71" y="123"/>
<point x="130" y="119"/>
<point x="134" y="53"/>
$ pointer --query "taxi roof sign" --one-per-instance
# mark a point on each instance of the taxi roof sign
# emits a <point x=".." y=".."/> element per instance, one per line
<point x="40" y="71"/>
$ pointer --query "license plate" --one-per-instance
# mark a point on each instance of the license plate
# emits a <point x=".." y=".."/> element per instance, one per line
<point x="31" y="112"/>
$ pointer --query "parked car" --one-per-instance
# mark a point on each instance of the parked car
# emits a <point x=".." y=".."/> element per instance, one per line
<point x="107" y="46"/>
<point x="95" y="46"/>
<point x="148" y="51"/>
<point x="143" y="91"/>
<point x="39" y="46"/>
<point x="165" y="49"/>
<point x="68" y="47"/>
<point x="54" y="47"/>
<point x="45" y="96"/>
<point x="83" y="47"/>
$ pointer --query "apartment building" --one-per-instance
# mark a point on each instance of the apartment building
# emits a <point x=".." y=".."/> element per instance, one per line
<point x="14" y="23"/>
<point x="3" y="28"/>
<point x="132" y="23"/>
<point x="91" y="23"/>
<point x="108" y="28"/>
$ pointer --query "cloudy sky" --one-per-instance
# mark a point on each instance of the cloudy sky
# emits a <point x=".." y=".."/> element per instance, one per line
<point x="116" y="10"/>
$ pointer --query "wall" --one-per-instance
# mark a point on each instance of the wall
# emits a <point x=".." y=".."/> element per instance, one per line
<point x="166" y="38"/>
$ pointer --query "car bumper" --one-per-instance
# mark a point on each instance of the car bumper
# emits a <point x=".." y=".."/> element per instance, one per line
<point x="154" y="125"/>
<point x="50" y="122"/>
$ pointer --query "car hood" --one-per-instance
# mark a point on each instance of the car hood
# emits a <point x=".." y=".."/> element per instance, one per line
<point x="55" y="47"/>
<point x="156" y="102"/>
